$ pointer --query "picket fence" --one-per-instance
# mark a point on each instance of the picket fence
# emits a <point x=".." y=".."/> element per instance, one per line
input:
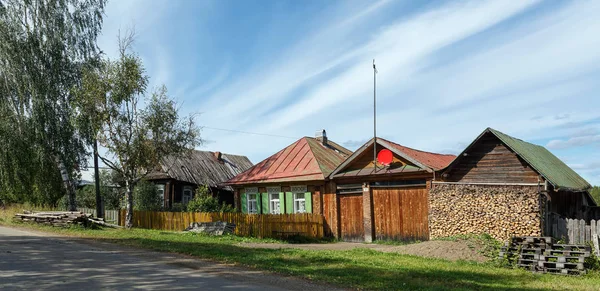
<point x="110" y="216"/>
<point x="575" y="231"/>
<point x="252" y="225"/>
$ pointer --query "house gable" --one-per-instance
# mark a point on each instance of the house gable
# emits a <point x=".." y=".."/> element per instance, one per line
<point x="489" y="160"/>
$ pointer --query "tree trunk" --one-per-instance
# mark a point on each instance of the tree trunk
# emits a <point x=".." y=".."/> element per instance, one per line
<point x="69" y="185"/>
<point x="99" y="208"/>
<point x="129" y="204"/>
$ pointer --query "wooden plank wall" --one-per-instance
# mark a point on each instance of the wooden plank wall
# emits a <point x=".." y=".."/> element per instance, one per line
<point x="401" y="213"/>
<point x="575" y="231"/>
<point x="351" y="217"/>
<point x="491" y="161"/>
<point x="330" y="206"/>
<point x="254" y="225"/>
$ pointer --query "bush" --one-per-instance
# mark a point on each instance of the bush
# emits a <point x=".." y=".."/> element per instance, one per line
<point x="146" y="197"/>
<point x="178" y="207"/>
<point x="205" y="202"/>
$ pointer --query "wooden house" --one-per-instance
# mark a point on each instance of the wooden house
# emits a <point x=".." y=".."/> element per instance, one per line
<point x="179" y="177"/>
<point x="291" y="180"/>
<point x="504" y="186"/>
<point x="366" y="201"/>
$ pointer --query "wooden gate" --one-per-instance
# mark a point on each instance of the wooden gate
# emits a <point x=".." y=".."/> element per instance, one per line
<point x="351" y="217"/>
<point x="401" y="213"/>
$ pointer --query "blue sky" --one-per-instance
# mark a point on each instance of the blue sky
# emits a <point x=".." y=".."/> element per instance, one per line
<point x="447" y="70"/>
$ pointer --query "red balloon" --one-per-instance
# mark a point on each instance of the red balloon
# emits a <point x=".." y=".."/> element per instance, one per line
<point x="385" y="157"/>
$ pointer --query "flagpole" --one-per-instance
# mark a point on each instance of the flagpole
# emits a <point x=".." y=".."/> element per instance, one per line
<point x="374" y="115"/>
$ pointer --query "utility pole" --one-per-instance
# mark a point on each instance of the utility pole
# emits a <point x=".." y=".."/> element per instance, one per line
<point x="374" y="115"/>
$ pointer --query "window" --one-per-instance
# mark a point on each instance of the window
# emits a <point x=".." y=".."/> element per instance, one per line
<point x="187" y="195"/>
<point x="160" y="189"/>
<point x="299" y="203"/>
<point x="274" y="203"/>
<point x="252" y="206"/>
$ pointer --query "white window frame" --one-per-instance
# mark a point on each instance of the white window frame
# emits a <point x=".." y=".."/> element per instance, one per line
<point x="252" y="202"/>
<point x="160" y="189"/>
<point x="274" y="203"/>
<point x="297" y="201"/>
<point x="189" y="197"/>
<point x="274" y="199"/>
<point x="302" y="189"/>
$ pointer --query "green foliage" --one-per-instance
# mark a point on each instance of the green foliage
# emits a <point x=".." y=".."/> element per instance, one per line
<point x="43" y="45"/>
<point x="204" y="202"/>
<point x="146" y="197"/>
<point x="137" y="137"/>
<point x="595" y="192"/>
<point x="178" y="207"/>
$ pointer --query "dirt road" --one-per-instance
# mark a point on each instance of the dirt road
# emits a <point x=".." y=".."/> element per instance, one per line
<point x="36" y="261"/>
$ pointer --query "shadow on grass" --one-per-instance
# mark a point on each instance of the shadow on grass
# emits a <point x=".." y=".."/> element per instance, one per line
<point x="356" y="268"/>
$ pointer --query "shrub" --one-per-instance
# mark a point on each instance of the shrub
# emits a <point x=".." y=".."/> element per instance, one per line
<point x="146" y="197"/>
<point x="205" y="202"/>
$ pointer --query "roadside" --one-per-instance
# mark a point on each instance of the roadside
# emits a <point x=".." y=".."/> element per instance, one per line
<point x="449" y="250"/>
<point x="359" y="268"/>
<point x="38" y="260"/>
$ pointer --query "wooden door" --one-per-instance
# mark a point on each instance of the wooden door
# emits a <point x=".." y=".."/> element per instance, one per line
<point x="401" y="213"/>
<point x="351" y="217"/>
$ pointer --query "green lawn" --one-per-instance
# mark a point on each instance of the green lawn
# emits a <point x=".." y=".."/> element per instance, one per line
<point x="359" y="268"/>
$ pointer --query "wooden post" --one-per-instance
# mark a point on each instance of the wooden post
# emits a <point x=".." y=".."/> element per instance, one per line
<point x="594" y="232"/>
<point x="367" y="213"/>
<point x="237" y="200"/>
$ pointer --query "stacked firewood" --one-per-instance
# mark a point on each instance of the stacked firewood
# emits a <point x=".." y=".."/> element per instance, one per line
<point x="61" y="218"/>
<point x="501" y="211"/>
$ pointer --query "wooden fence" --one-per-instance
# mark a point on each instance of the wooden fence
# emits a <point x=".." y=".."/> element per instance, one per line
<point x="110" y="216"/>
<point x="254" y="225"/>
<point x="575" y="231"/>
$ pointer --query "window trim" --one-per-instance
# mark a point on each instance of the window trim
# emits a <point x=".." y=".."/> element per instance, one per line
<point x="183" y="195"/>
<point x="248" y="203"/>
<point x="296" y="210"/>
<point x="273" y="200"/>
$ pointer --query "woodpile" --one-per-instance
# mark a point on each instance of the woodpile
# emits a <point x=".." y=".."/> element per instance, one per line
<point x="212" y="228"/>
<point x="501" y="211"/>
<point x="62" y="218"/>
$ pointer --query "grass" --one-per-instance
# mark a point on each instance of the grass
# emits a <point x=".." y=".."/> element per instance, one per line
<point x="358" y="268"/>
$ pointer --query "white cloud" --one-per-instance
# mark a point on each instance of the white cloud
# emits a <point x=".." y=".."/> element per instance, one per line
<point x="574" y="142"/>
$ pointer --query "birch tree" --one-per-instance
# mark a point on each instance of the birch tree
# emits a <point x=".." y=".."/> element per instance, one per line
<point x="135" y="134"/>
<point x="43" y="44"/>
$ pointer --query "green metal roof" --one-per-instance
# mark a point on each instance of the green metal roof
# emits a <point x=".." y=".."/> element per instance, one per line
<point x="545" y="163"/>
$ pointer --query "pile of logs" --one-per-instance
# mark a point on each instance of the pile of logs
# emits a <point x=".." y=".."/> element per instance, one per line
<point x="212" y="228"/>
<point x="501" y="211"/>
<point x="61" y="218"/>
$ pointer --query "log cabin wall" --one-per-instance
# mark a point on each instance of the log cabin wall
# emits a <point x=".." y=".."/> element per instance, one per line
<point x="491" y="161"/>
<point x="501" y="211"/>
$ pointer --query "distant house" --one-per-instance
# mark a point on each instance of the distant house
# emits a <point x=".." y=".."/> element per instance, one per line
<point x="505" y="186"/>
<point x="291" y="180"/>
<point x="368" y="201"/>
<point x="179" y="177"/>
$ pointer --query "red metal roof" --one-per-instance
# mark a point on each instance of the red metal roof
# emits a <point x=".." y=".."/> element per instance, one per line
<point x="432" y="160"/>
<point x="307" y="159"/>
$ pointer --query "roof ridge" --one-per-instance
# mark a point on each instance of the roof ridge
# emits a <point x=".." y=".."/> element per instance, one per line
<point x="422" y="151"/>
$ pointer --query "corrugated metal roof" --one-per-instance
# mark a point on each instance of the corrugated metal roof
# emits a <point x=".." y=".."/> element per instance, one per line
<point x="423" y="161"/>
<point x="544" y="162"/>
<point x="434" y="161"/>
<point x="307" y="159"/>
<point x="371" y="171"/>
<point x="202" y="168"/>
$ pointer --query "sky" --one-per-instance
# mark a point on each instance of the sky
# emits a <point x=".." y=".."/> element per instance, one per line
<point x="446" y="71"/>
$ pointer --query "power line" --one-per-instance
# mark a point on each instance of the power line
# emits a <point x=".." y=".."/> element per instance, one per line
<point x="247" y="132"/>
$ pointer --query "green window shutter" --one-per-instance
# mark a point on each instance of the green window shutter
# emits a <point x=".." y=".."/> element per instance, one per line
<point x="308" y="197"/>
<point x="282" y="202"/>
<point x="289" y="203"/>
<point x="265" y="203"/>
<point x="244" y="203"/>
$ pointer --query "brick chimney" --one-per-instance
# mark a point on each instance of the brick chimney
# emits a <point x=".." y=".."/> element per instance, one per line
<point x="218" y="156"/>
<point x="321" y="135"/>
